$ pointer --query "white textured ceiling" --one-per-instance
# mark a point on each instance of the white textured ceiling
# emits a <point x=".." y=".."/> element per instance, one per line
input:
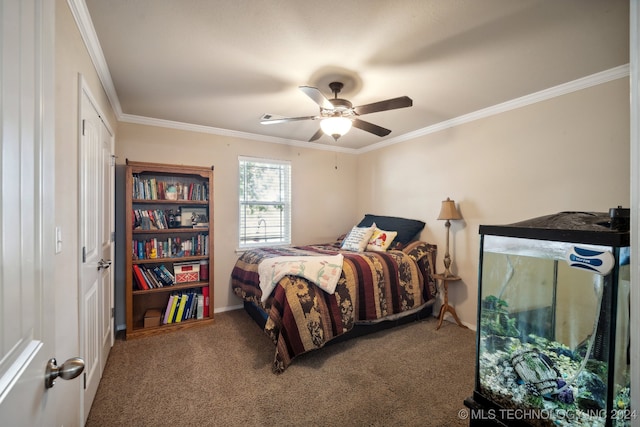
<point x="224" y="63"/>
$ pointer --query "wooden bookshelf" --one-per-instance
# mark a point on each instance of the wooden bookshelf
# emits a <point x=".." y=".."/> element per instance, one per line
<point x="156" y="235"/>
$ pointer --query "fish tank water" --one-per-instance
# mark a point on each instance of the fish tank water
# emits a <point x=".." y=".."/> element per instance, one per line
<point x="553" y="322"/>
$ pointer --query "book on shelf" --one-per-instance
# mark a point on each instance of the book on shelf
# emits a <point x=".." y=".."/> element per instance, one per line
<point x="145" y="221"/>
<point x="170" y="247"/>
<point x="148" y="277"/>
<point x="162" y="276"/>
<point x="168" y="273"/>
<point x="193" y="305"/>
<point x="154" y="219"/>
<point x="156" y="189"/>
<point x="167" y="311"/>
<point x="205" y="295"/>
<point x="139" y="278"/>
<point x="187" y="308"/>
<point x="154" y="277"/>
<point x="160" y="190"/>
<point x="151" y="277"/>
<point x="172" y="311"/>
<point x="183" y="304"/>
<point x="158" y="279"/>
<point x="149" y="219"/>
<point x="200" y="307"/>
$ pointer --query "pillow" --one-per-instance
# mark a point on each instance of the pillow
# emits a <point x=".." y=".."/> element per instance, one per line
<point x="381" y="240"/>
<point x="358" y="238"/>
<point x="408" y="229"/>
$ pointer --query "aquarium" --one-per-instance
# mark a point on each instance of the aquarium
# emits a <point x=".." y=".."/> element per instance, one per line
<point x="553" y="322"/>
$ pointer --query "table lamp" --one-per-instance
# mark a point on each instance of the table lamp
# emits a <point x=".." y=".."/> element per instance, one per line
<point x="448" y="212"/>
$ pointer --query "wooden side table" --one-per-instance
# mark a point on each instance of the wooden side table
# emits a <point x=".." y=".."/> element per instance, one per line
<point x="445" y="305"/>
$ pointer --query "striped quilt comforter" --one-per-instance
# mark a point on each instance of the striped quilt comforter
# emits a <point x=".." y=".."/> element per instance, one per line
<point x="372" y="286"/>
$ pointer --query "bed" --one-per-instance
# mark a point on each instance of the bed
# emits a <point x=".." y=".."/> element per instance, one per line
<point x="317" y="294"/>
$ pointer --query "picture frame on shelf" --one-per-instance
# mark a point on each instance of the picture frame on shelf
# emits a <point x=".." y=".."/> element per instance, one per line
<point x="195" y="217"/>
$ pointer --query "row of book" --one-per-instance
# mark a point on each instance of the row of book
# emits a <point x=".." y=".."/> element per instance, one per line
<point x="171" y="247"/>
<point x="151" y="219"/>
<point x="187" y="305"/>
<point x="150" y="277"/>
<point x="155" y="189"/>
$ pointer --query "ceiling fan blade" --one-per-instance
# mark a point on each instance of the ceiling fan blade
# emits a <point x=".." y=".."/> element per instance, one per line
<point x="270" y="119"/>
<point x="316" y="135"/>
<point x="317" y="97"/>
<point x="389" y="104"/>
<point x="370" y="127"/>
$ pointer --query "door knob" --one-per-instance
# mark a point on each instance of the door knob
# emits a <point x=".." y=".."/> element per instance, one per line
<point x="104" y="264"/>
<point x="67" y="371"/>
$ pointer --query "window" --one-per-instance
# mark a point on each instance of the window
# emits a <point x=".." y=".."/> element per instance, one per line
<point x="265" y="202"/>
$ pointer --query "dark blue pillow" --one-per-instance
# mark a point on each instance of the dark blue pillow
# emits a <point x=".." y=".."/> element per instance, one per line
<point x="408" y="229"/>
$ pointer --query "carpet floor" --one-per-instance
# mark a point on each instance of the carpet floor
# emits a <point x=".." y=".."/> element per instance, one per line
<point x="220" y="375"/>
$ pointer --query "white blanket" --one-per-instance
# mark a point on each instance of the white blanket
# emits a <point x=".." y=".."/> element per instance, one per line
<point x="324" y="271"/>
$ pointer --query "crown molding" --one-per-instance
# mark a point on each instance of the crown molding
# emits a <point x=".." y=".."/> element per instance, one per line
<point x="88" y="34"/>
<point x="87" y="31"/>
<point x="148" y="121"/>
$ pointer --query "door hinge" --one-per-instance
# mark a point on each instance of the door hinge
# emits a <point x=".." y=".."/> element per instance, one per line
<point x="83" y="120"/>
<point x="84" y="254"/>
<point x="113" y="312"/>
<point x="84" y="380"/>
<point x="113" y="236"/>
<point x="113" y="160"/>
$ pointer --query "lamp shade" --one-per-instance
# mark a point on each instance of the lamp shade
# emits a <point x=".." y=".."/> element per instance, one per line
<point x="448" y="210"/>
<point x="335" y="126"/>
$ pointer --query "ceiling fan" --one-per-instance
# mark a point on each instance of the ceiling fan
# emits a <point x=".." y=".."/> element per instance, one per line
<point x="338" y="115"/>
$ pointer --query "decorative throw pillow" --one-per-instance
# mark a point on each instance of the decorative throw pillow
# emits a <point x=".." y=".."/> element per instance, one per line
<point x="381" y="240"/>
<point x="358" y="238"/>
<point x="408" y="229"/>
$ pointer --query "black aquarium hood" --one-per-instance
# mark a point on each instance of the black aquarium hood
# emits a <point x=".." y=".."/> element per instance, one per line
<point x="596" y="228"/>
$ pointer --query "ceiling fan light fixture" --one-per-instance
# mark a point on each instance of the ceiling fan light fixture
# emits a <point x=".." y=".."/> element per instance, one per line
<point x="335" y="126"/>
<point x="338" y="115"/>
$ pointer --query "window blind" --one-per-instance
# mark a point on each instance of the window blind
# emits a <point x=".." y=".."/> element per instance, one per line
<point x="264" y="202"/>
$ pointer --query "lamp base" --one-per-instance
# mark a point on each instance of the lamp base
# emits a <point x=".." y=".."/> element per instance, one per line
<point x="447" y="260"/>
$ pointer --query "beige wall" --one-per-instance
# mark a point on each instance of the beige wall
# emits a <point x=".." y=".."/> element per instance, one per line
<point x="323" y="202"/>
<point x="567" y="153"/>
<point x="71" y="59"/>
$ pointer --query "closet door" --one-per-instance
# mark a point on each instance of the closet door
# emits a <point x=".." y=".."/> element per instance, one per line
<point x="96" y="226"/>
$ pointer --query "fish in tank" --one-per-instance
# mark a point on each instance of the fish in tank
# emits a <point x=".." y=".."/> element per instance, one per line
<point x="553" y="322"/>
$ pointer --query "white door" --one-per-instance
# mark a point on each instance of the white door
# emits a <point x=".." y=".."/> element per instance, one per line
<point x="96" y="226"/>
<point x="27" y="312"/>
